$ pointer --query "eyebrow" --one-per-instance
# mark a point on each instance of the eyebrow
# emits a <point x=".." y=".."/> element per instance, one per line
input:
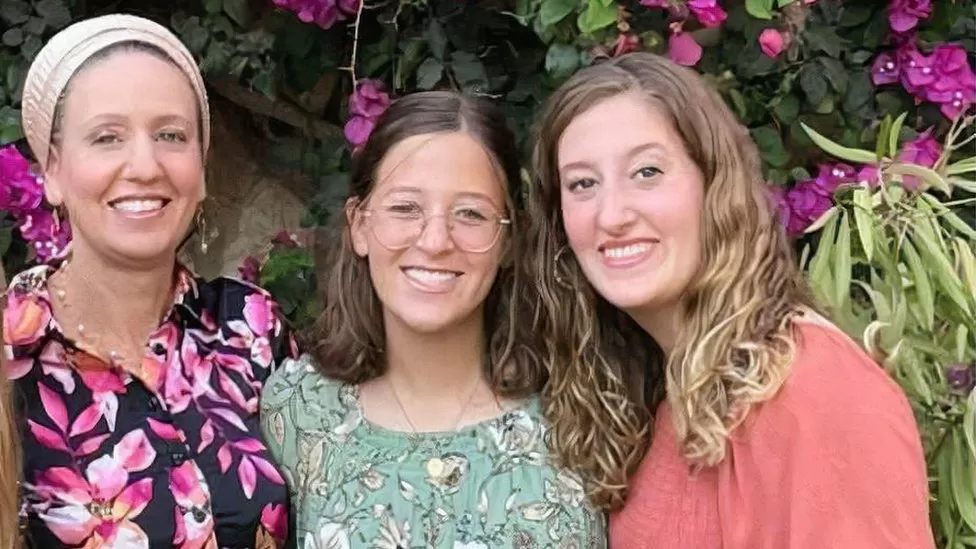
<point x="115" y="118"/>
<point x="650" y="146"/>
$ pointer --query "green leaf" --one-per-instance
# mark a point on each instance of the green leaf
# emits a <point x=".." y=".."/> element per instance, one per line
<point x="429" y="73"/>
<point x="787" y="109"/>
<point x="213" y="6"/>
<point x="860" y="57"/>
<point x="854" y="14"/>
<point x="823" y="38"/>
<point x="859" y="156"/>
<point x="966" y="165"/>
<point x="860" y="92"/>
<point x="561" y="60"/>
<point x="936" y="258"/>
<point x="836" y="74"/>
<point x="927" y="175"/>
<point x="863" y="210"/>
<point x="784" y="3"/>
<point x="469" y="70"/>
<point x="760" y="9"/>
<point x="54" y="12"/>
<point x="596" y="16"/>
<point x="35" y="26"/>
<point x="437" y="39"/>
<point x="239" y="11"/>
<point x="881" y="140"/>
<point x="819" y="268"/>
<point x="923" y="287"/>
<point x="963" y="480"/>
<point x="30" y="47"/>
<point x="962" y="342"/>
<point x="15" y="12"/>
<point x="946" y="214"/>
<point x="771" y="145"/>
<point x="13" y="37"/>
<point x="842" y="262"/>
<point x="813" y="84"/>
<point x="554" y="11"/>
<point x="893" y="134"/>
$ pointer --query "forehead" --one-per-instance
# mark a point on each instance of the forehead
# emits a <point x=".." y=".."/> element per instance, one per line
<point x="614" y="126"/>
<point x="444" y="164"/>
<point x="130" y="83"/>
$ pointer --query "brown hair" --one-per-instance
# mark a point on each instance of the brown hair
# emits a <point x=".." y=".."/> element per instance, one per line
<point x="348" y="339"/>
<point x="735" y="344"/>
<point x="9" y="453"/>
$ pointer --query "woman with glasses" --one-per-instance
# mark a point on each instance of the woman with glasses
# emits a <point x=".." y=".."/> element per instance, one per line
<point x="418" y="424"/>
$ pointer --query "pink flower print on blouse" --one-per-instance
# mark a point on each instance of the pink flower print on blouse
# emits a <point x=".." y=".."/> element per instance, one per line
<point x="194" y="519"/>
<point x="61" y="438"/>
<point x="249" y="465"/>
<point x="274" y="518"/>
<point x="97" y="509"/>
<point x="244" y="337"/>
<point x="260" y="315"/>
<point x="25" y="319"/>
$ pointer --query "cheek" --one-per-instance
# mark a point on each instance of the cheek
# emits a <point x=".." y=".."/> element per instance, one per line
<point x="578" y="223"/>
<point x="186" y="174"/>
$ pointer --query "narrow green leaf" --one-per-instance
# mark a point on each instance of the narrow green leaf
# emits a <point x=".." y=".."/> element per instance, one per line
<point x="967" y="185"/>
<point x="937" y="260"/>
<point x="842" y="258"/>
<point x="963" y="481"/>
<point x="882" y="310"/>
<point x="820" y="264"/>
<point x="962" y="342"/>
<point x="965" y="165"/>
<point x="911" y="367"/>
<point x="928" y="175"/>
<point x="923" y="287"/>
<point x="949" y="216"/>
<point x="860" y="156"/>
<point x="863" y="211"/>
<point x="969" y="423"/>
<point x="881" y="142"/>
<point x="893" y="134"/>
<point x="822" y="220"/>
<point x="966" y="260"/>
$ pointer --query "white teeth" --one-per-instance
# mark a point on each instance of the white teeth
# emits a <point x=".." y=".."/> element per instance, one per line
<point x="138" y="206"/>
<point x="626" y="251"/>
<point x="423" y="275"/>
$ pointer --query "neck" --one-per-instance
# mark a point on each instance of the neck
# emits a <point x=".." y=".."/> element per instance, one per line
<point x="130" y="300"/>
<point x="661" y="323"/>
<point x="438" y="365"/>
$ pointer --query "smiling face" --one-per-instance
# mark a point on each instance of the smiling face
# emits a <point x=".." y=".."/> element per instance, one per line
<point x="433" y="282"/>
<point x="128" y="163"/>
<point x="632" y="203"/>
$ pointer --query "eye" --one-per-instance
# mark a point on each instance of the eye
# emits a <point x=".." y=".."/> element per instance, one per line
<point x="105" y="139"/>
<point x="647" y="172"/>
<point x="172" y="137"/>
<point x="403" y="209"/>
<point x="471" y="214"/>
<point x="581" y="184"/>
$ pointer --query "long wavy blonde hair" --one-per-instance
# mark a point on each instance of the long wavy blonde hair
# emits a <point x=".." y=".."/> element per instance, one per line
<point x="735" y="344"/>
<point x="9" y="455"/>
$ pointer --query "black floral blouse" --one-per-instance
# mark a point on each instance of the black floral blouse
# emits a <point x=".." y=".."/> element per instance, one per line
<point x="171" y="458"/>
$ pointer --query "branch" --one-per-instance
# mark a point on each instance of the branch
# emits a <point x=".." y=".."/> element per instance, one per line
<point x="355" y="44"/>
<point x="259" y="103"/>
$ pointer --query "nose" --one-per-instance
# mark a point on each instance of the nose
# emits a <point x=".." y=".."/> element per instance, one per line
<point x="435" y="236"/>
<point x="143" y="164"/>
<point x="615" y="213"/>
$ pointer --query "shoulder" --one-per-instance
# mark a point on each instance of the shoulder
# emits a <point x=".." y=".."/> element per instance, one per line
<point x="225" y="297"/>
<point x="27" y="312"/>
<point x="837" y="393"/>
<point x="297" y="384"/>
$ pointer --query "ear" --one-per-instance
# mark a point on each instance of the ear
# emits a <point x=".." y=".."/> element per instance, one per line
<point x="357" y="227"/>
<point x="52" y="182"/>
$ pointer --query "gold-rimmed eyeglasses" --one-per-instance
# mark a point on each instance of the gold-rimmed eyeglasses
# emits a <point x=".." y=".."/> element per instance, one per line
<point x="474" y="228"/>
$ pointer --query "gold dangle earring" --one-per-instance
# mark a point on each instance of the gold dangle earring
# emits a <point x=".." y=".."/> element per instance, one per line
<point x="56" y="219"/>
<point x="201" y="223"/>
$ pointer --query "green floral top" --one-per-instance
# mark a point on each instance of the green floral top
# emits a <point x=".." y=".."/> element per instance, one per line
<point x="357" y="485"/>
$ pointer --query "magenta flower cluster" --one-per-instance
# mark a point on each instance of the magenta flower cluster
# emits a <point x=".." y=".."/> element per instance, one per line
<point x="682" y="48"/>
<point x="22" y="194"/>
<point x="800" y="206"/>
<point x="324" y="13"/>
<point x="943" y="77"/>
<point x="368" y="101"/>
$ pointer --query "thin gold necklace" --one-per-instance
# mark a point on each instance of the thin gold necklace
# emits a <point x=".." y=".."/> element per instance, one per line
<point x="91" y="340"/>
<point x="416" y="436"/>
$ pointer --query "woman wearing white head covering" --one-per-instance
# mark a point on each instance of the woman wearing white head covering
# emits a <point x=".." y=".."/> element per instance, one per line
<point x="136" y="385"/>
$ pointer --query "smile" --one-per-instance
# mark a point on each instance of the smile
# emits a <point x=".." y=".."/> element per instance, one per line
<point x="623" y="255"/>
<point x="139" y="205"/>
<point x="627" y="251"/>
<point x="431" y="281"/>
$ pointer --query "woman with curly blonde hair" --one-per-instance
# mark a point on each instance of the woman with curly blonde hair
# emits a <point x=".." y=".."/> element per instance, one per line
<point x="771" y="428"/>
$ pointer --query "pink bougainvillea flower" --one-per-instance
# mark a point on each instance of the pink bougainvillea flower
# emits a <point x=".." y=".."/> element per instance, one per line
<point x="904" y="15"/>
<point x="884" y="70"/>
<point x="923" y="151"/>
<point x="655" y="3"/>
<point x="682" y="48"/>
<point x="625" y="43"/>
<point x="772" y="42"/>
<point x="708" y="12"/>
<point x="369" y="99"/>
<point x="250" y="269"/>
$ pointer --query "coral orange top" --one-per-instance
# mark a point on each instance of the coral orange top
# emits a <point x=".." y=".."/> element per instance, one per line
<point x="834" y="460"/>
